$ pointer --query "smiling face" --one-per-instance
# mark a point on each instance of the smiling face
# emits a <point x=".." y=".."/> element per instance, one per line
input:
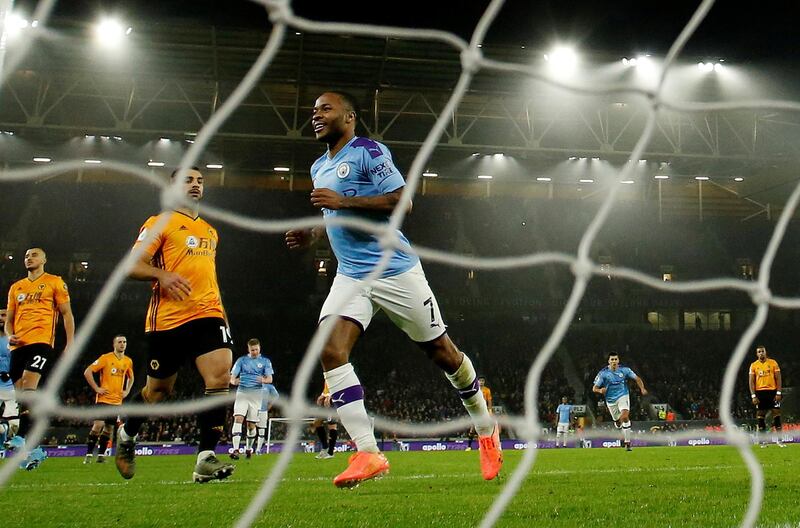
<point x="332" y="118"/>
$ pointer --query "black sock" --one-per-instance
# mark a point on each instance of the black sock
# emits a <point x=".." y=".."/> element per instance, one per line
<point x="762" y="424"/>
<point x="134" y="423"/>
<point x="24" y="419"/>
<point x="91" y="441"/>
<point x="212" y="422"/>
<point x="323" y="437"/>
<point x="776" y="422"/>
<point x="103" y="445"/>
<point x="334" y="434"/>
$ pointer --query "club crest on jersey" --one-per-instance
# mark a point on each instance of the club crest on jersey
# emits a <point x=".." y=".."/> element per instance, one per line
<point x="343" y="170"/>
<point x="113" y="370"/>
<point x="20" y="297"/>
<point x="191" y="242"/>
<point x="41" y="286"/>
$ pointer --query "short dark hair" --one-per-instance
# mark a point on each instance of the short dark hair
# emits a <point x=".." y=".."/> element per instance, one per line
<point x="612" y="353"/>
<point x="349" y="100"/>
<point x="120" y="335"/>
<point x="176" y="171"/>
<point x="253" y="342"/>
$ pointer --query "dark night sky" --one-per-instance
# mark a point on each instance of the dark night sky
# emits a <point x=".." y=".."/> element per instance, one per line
<point x="762" y="31"/>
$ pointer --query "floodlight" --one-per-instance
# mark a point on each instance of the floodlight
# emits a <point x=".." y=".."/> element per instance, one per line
<point x="110" y="32"/>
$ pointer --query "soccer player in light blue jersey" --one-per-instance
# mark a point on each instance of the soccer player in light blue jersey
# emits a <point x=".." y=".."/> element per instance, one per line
<point x="269" y="395"/>
<point x="249" y="373"/>
<point x="612" y="383"/>
<point x="9" y="419"/>
<point x="563" y="411"/>
<point x="357" y="177"/>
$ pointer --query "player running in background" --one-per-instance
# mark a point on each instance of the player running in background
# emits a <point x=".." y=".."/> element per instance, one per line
<point x="9" y="417"/>
<point x="612" y="383"/>
<point x="327" y="429"/>
<point x="250" y="373"/>
<point x="765" y="392"/>
<point x="185" y="322"/>
<point x="563" y="413"/>
<point x="116" y="380"/>
<point x="269" y="395"/>
<point x="34" y="306"/>
<point x="356" y="177"/>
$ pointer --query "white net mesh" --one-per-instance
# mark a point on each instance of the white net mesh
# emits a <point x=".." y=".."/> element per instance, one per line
<point x="45" y="404"/>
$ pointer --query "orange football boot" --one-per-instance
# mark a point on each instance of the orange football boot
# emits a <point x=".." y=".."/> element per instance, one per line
<point x="362" y="466"/>
<point x="491" y="453"/>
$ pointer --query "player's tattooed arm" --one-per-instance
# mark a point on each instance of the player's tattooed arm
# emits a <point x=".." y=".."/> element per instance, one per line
<point x="329" y="199"/>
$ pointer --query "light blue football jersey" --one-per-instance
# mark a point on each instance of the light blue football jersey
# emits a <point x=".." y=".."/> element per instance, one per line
<point x="616" y="382"/>
<point x="5" y="362"/>
<point x="269" y="395"/>
<point x="563" y="411"/>
<point x="249" y="370"/>
<point x="362" y="168"/>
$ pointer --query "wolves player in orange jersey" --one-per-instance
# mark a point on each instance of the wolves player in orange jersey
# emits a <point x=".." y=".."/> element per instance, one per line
<point x="116" y="380"/>
<point x="765" y="391"/>
<point x="185" y="322"/>
<point x="34" y="306"/>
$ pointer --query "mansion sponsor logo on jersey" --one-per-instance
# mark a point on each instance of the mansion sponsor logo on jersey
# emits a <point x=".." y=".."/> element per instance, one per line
<point x="382" y="170"/>
<point x="200" y="246"/>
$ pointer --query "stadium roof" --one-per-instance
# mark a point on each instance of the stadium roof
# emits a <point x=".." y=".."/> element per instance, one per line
<point x="177" y="68"/>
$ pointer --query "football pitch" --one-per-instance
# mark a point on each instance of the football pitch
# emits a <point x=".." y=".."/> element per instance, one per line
<point x="661" y="486"/>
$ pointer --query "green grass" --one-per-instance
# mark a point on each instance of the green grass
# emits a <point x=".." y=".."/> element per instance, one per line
<point x="679" y="486"/>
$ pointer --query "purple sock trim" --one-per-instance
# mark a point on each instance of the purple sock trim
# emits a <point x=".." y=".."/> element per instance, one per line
<point x="348" y="395"/>
<point x="469" y="391"/>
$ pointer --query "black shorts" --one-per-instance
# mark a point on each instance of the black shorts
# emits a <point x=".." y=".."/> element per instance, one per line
<point x="108" y="413"/>
<point x="766" y="400"/>
<point x="169" y="349"/>
<point x="38" y="357"/>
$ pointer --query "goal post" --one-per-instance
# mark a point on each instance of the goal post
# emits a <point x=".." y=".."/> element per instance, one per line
<point x="269" y="427"/>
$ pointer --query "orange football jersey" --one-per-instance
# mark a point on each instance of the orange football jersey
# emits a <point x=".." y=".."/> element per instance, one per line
<point x="765" y="374"/>
<point x="487" y="395"/>
<point x="186" y="246"/>
<point x="113" y="372"/>
<point x="35" y="305"/>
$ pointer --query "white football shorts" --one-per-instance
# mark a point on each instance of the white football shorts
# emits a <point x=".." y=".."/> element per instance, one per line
<point x="562" y="427"/>
<point x="8" y="397"/>
<point x="616" y="408"/>
<point x="247" y="404"/>
<point x="406" y="298"/>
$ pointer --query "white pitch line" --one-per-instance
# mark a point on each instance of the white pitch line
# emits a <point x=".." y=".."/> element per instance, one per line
<point x="668" y="469"/>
